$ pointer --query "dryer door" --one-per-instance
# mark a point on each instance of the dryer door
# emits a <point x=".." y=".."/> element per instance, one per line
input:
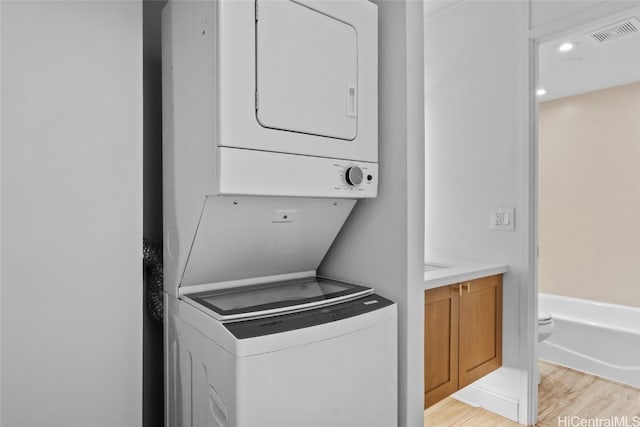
<point x="306" y="71"/>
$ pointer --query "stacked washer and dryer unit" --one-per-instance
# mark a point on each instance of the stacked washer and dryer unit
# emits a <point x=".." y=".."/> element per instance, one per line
<point x="270" y="137"/>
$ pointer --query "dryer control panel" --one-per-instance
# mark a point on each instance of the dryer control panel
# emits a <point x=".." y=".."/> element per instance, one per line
<point x="257" y="173"/>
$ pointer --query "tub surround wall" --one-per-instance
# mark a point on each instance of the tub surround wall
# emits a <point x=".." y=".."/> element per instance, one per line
<point x="589" y="206"/>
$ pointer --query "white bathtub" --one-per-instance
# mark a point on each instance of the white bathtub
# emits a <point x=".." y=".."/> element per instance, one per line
<point x="598" y="338"/>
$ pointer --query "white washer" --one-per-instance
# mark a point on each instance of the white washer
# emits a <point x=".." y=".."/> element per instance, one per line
<point x="334" y="365"/>
<point x="326" y="351"/>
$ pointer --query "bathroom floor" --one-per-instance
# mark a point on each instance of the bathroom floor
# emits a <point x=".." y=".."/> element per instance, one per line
<point x="563" y="393"/>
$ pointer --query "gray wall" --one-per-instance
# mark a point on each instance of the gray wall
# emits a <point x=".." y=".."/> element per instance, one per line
<point x="71" y="188"/>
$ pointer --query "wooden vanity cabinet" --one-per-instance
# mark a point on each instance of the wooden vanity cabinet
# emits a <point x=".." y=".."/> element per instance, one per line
<point x="462" y="335"/>
<point x="440" y="344"/>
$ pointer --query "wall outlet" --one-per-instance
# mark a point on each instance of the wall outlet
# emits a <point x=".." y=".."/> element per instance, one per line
<point x="502" y="219"/>
<point x="497" y="219"/>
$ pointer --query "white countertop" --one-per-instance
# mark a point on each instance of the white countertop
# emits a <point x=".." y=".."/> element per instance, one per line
<point x="446" y="272"/>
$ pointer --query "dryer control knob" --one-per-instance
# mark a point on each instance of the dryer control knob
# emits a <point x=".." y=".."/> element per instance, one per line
<point x="353" y="175"/>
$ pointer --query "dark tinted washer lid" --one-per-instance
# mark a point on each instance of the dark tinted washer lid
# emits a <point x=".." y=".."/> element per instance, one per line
<point x="306" y="319"/>
<point x="298" y="294"/>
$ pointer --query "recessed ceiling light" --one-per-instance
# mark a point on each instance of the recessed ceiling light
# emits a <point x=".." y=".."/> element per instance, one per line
<point x="566" y="47"/>
<point x="541" y="92"/>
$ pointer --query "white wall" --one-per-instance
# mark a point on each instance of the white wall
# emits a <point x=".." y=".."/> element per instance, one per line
<point x="381" y="243"/>
<point x="71" y="192"/>
<point x="473" y="141"/>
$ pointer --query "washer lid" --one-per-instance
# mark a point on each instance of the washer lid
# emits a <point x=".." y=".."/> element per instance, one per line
<point x="270" y="299"/>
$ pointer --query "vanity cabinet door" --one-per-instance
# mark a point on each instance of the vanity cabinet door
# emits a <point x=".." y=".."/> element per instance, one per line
<point x="480" y="339"/>
<point x="440" y="343"/>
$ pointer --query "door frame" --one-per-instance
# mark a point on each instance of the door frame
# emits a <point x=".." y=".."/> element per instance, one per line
<point x="583" y="20"/>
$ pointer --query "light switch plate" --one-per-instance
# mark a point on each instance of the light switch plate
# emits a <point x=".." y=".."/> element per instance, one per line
<point x="502" y="219"/>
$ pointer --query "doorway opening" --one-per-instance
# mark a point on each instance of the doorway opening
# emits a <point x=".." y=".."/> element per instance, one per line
<point x="588" y="217"/>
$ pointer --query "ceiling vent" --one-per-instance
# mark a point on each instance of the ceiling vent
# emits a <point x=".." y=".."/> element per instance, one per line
<point x="611" y="32"/>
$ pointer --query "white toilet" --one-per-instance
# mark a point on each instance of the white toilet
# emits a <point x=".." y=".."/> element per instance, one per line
<point x="546" y="326"/>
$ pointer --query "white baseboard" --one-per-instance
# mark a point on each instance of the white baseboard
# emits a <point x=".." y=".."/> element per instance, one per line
<point x="496" y="392"/>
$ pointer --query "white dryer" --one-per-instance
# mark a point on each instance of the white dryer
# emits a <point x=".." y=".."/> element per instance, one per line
<point x="282" y="90"/>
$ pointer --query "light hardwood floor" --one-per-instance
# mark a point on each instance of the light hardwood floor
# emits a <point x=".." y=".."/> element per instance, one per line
<point x="563" y="393"/>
